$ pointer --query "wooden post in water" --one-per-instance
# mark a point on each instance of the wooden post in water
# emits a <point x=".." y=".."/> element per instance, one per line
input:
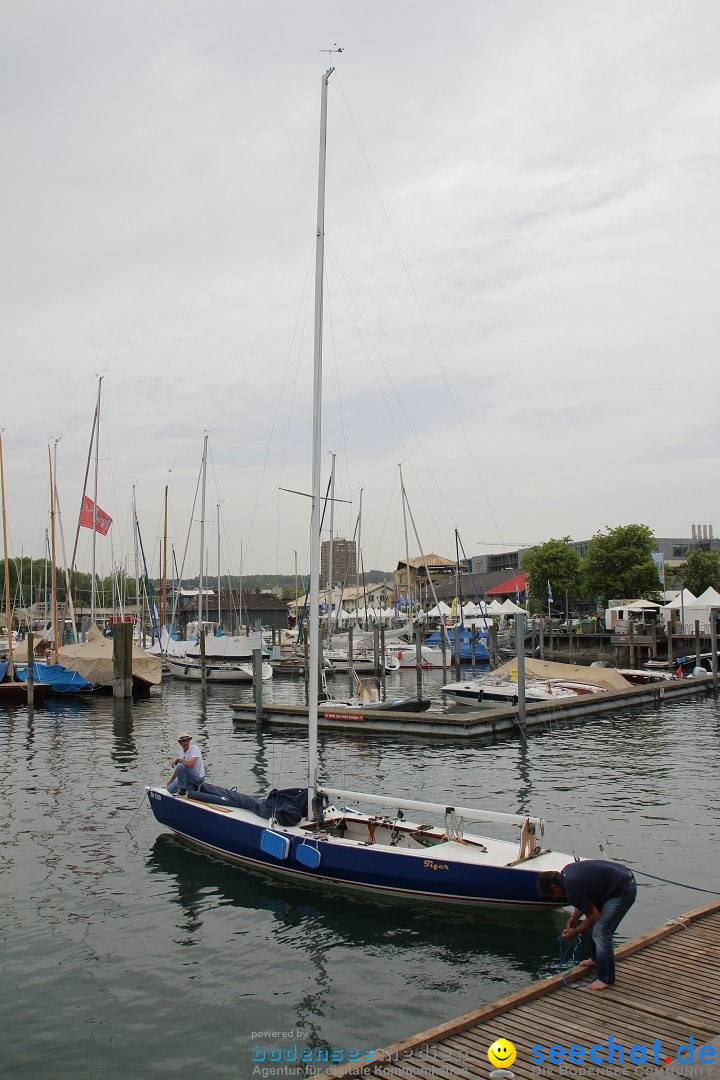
<point x="122" y="660"/>
<point x="203" y="667"/>
<point x="671" y="637"/>
<point x="31" y="670"/>
<point x="713" y="646"/>
<point x="457" y="651"/>
<point x="631" y="643"/>
<point x="443" y="645"/>
<point x="376" y="651"/>
<point x="383" y="665"/>
<point x="520" y="649"/>
<point x="697" y="643"/>
<point x="473" y="633"/>
<point x="257" y="684"/>
<point x="494" y="644"/>
<point x="418" y="659"/>
<point x="351" y="688"/>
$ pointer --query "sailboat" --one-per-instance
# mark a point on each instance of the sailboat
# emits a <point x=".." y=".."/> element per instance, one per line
<point x="316" y="833"/>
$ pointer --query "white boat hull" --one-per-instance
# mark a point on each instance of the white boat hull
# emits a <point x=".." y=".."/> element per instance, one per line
<point x="215" y="671"/>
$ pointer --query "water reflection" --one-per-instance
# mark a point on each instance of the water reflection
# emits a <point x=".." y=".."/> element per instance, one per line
<point x="509" y="941"/>
<point x="124" y="751"/>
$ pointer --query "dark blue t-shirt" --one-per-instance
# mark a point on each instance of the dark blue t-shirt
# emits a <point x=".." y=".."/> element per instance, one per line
<point x="591" y="882"/>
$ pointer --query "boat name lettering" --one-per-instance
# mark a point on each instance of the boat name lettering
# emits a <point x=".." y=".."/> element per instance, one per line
<point x="430" y="865"/>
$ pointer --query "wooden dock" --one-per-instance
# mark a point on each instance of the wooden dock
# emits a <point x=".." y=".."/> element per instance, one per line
<point x="473" y="723"/>
<point x="667" y="989"/>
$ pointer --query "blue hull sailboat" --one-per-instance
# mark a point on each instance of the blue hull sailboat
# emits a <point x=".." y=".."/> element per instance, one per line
<point x="60" y="679"/>
<point x="315" y="833"/>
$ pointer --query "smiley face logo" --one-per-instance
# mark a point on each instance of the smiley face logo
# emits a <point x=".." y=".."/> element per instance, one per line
<point x="502" y="1053"/>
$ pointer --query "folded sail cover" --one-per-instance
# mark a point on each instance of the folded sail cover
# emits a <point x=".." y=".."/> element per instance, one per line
<point x="104" y="521"/>
<point x="93" y="659"/>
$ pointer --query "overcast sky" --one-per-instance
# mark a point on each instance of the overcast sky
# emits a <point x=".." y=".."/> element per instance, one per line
<point x="522" y="268"/>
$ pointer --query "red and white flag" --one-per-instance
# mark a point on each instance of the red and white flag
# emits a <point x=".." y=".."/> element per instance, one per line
<point x="104" y="521"/>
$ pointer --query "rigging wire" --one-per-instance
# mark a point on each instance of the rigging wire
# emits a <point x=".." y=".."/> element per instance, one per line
<point x="355" y="315"/>
<point x="421" y="314"/>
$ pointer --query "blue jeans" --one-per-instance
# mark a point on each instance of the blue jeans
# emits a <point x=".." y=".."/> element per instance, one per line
<point x="612" y="912"/>
<point x="185" y="777"/>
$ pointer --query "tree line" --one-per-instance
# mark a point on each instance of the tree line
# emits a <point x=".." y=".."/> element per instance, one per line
<point x="619" y="564"/>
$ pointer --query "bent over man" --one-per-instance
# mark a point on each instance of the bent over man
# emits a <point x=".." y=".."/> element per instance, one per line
<point x="602" y="893"/>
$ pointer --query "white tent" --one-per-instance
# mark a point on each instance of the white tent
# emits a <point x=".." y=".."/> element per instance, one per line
<point x="685" y="599"/>
<point x="495" y="608"/>
<point x="471" y="610"/>
<point x="510" y="608"/>
<point x="342" y="616"/>
<point x="440" y="609"/>
<point x="710" y="598"/>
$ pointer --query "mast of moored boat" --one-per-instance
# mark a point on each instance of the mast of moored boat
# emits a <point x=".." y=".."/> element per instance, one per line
<point x="407" y="548"/>
<point x="8" y="608"/>
<point x="218" y="564"/>
<point x="202" y="537"/>
<point x="314" y="623"/>
<point x="163" y="584"/>
<point x="95" y="496"/>
<point x="53" y="573"/>
<point x="330" y="550"/>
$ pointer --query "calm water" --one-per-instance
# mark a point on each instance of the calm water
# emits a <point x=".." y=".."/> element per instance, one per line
<point x="128" y="955"/>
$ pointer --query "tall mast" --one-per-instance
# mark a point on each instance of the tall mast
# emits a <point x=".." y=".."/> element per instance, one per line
<point x="218" y="566"/>
<point x="241" y="586"/>
<point x="314" y="625"/>
<point x="137" y="566"/>
<point x="330" y="585"/>
<point x="68" y="605"/>
<point x="163" y="584"/>
<point x="8" y="607"/>
<point x="202" y="533"/>
<point x="95" y="495"/>
<point x="407" y="549"/>
<point x="53" y="575"/>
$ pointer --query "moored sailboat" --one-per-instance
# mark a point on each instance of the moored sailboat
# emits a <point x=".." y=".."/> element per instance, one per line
<point x="314" y="833"/>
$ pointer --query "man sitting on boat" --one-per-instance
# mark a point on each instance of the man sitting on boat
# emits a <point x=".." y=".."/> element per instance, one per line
<point x="189" y="771"/>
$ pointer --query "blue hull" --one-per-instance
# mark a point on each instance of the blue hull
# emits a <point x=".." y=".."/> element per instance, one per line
<point x="481" y="643"/>
<point x="349" y="865"/>
<point x="59" y="678"/>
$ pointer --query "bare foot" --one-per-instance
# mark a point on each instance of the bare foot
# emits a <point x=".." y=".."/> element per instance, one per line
<point x="597" y="984"/>
<point x="587" y="963"/>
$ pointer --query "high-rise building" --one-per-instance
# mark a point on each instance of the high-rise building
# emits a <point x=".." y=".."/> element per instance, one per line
<point x="344" y="562"/>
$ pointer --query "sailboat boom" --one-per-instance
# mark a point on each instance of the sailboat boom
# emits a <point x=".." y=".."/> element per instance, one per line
<point x="469" y="813"/>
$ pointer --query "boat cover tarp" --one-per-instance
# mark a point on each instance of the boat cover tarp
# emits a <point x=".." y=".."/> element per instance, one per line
<point x="227" y="647"/>
<point x="62" y="680"/>
<point x="288" y="806"/>
<point x="608" y="678"/>
<point x="93" y="659"/>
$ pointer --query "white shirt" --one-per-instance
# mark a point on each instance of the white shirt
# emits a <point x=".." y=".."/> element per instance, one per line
<point x="193" y="751"/>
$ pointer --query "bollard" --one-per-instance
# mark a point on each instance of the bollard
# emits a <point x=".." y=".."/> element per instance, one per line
<point x="257" y="684"/>
<point x="122" y="660"/>
<point x="31" y="671"/>
<point x="418" y="659"/>
<point x="520" y="650"/>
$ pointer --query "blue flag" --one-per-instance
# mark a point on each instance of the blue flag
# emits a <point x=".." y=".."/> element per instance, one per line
<point x="550" y="599"/>
<point x="659" y="561"/>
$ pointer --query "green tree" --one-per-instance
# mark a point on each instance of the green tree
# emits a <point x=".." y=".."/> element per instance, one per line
<point x="619" y="564"/>
<point x="556" y="562"/>
<point x="700" y="571"/>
